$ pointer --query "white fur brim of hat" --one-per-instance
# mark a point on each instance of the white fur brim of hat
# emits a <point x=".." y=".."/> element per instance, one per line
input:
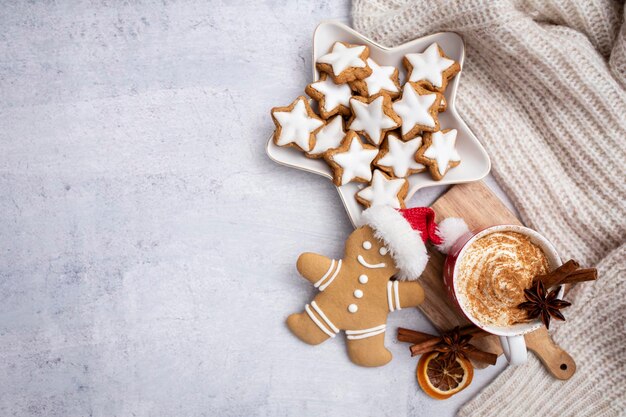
<point x="404" y="243"/>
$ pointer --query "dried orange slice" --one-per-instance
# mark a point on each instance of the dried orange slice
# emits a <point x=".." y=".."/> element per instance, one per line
<point x="441" y="378"/>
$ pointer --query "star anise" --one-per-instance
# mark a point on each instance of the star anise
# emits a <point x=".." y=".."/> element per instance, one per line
<point x="453" y="344"/>
<point x="541" y="305"/>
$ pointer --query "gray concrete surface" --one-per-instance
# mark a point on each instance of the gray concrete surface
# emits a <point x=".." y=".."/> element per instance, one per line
<point x="148" y="244"/>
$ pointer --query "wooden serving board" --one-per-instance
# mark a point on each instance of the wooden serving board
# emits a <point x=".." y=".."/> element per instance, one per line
<point x="480" y="208"/>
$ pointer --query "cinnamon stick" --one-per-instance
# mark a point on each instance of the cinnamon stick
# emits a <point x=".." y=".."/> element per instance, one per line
<point x="482" y="356"/>
<point x="413" y="336"/>
<point x="427" y="346"/>
<point x="555" y="277"/>
<point x="589" y="274"/>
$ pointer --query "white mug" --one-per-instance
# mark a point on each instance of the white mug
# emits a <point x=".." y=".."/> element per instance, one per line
<point x="511" y="337"/>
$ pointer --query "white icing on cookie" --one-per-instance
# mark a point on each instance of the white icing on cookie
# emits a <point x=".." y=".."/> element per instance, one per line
<point x="401" y="155"/>
<point x="334" y="94"/>
<point x="353" y="308"/>
<point x="358" y="294"/>
<point x="296" y="126"/>
<point x="383" y="251"/>
<point x="393" y="295"/>
<point x="363" y="262"/>
<point x="383" y="192"/>
<point x="343" y="57"/>
<point x="429" y="65"/>
<point x="413" y="108"/>
<point x="355" y="162"/>
<point x="365" y="333"/>
<point x="329" y="137"/>
<point x="318" y="322"/>
<point x="443" y="149"/>
<point x="367" y="245"/>
<point x="319" y="311"/>
<point x="363" y="279"/>
<point x="371" y="119"/>
<point x="380" y="79"/>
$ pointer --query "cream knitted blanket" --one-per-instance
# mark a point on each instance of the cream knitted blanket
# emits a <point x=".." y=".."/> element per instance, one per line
<point x="543" y="88"/>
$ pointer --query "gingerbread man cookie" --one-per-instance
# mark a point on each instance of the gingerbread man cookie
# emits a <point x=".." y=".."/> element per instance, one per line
<point x="431" y="68"/>
<point x="345" y="62"/>
<point x="296" y="125"/>
<point x="439" y="152"/>
<point x="358" y="292"/>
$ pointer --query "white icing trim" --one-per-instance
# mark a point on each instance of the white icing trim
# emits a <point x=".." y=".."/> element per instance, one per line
<point x="323" y="316"/>
<point x="330" y="269"/>
<point x="397" y="295"/>
<point x="331" y="279"/>
<point x="389" y="299"/>
<point x="370" y="266"/>
<point x="316" y="321"/>
<point x="365" y="333"/>
<point x="362" y="331"/>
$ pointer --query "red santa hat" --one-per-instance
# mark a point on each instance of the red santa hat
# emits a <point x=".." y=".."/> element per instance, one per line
<point x="405" y="232"/>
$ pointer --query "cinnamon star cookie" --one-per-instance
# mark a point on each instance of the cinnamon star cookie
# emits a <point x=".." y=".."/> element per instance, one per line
<point x="384" y="79"/>
<point x="352" y="161"/>
<point x="439" y="152"/>
<point x="296" y="125"/>
<point x="397" y="157"/>
<point x="345" y="62"/>
<point x="419" y="109"/>
<point x="332" y="98"/>
<point x="373" y="117"/>
<point x="329" y="137"/>
<point x="384" y="191"/>
<point x="431" y="68"/>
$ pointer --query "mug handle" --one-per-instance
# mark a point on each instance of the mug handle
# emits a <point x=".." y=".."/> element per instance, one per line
<point x="514" y="348"/>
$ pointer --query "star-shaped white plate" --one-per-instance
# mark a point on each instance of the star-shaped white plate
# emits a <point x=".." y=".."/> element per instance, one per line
<point x="475" y="163"/>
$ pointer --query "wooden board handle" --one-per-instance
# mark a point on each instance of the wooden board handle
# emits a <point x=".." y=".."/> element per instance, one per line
<point x="557" y="361"/>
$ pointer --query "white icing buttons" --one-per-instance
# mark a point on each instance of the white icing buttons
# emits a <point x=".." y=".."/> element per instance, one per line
<point x="358" y="293"/>
<point x="383" y="251"/>
<point x="367" y="245"/>
<point x="363" y="279"/>
<point x="353" y="308"/>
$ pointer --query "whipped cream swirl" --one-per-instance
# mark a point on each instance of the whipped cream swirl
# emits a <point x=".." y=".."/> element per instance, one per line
<point x="493" y="274"/>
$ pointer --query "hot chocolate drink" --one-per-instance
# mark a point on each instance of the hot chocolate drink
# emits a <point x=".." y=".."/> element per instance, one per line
<point x="493" y="273"/>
